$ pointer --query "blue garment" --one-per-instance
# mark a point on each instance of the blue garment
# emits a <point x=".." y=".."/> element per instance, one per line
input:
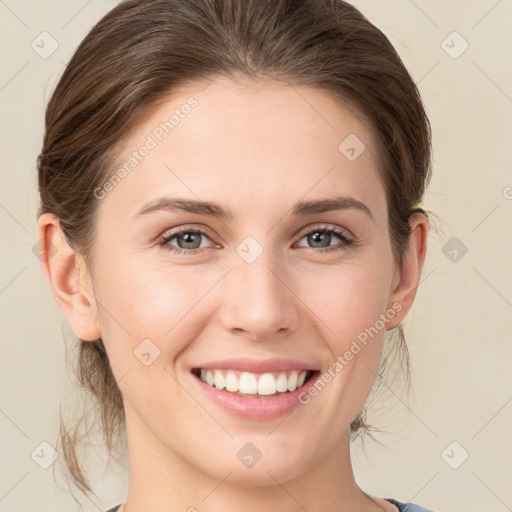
<point x="402" y="507"/>
<point x="408" y="507"/>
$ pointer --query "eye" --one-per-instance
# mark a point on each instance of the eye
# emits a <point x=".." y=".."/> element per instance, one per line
<point x="189" y="240"/>
<point x="323" y="235"/>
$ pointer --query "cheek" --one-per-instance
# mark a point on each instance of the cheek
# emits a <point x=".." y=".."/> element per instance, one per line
<point x="353" y="331"/>
<point x="347" y="299"/>
<point x="142" y="300"/>
<point x="350" y="303"/>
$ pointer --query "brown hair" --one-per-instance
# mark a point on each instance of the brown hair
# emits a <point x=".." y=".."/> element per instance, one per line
<point x="142" y="49"/>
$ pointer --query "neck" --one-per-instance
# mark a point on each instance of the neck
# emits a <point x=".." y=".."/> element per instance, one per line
<point x="162" y="480"/>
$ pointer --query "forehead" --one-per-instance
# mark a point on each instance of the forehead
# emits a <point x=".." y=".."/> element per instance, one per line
<point x="247" y="145"/>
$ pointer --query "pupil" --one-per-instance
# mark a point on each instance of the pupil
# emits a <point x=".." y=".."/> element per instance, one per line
<point x="318" y="235"/>
<point x="189" y="239"/>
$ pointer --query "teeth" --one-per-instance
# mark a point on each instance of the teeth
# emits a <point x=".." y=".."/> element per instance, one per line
<point x="267" y="385"/>
<point x="219" y="380"/>
<point x="248" y="383"/>
<point x="231" y="382"/>
<point x="282" y="383"/>
<point x="292" y="381"/>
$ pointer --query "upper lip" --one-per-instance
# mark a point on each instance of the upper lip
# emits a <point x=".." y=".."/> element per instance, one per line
<point x="257" y="366"/>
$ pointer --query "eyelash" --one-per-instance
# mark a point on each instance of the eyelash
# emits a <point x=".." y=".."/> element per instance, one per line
<point x="347" y="242"/>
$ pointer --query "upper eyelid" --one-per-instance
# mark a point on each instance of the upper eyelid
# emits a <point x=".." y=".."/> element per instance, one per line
<point x="327" y="227"/>
<point x="186" y="229"/>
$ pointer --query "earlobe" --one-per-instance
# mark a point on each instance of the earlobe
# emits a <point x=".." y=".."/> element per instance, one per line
<point x="406" y="286"/>
<point x="68" y="277"/>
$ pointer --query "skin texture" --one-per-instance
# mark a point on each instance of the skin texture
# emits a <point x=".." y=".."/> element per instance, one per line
<point x="255" y="149"/>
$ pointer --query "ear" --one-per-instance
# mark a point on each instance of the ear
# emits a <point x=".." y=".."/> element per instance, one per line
<point x="406" y="280"/>
<point x="69" y="279"/>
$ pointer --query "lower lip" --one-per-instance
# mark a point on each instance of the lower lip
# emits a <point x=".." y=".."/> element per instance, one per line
<point x="266" y="408"/>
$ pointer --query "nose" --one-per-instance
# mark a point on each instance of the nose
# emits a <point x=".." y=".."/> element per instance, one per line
<point x="259" y="302"/>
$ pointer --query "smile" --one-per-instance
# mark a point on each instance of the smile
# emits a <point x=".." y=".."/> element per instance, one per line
<point x="254" y="385"/>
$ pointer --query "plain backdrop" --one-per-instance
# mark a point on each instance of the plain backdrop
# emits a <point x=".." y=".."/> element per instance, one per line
<point x="449" y="447"/>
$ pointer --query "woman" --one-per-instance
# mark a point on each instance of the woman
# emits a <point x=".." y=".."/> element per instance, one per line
<point x="230" y="213"/>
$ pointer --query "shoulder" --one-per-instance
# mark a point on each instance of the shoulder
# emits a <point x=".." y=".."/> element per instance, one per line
<point x="408" y="507"/>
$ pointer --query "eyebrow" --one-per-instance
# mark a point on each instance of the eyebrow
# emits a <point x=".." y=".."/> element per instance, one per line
<point x="300" y="209"/>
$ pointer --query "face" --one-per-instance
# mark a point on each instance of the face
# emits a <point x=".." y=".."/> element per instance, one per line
<point x="178" y="290"/>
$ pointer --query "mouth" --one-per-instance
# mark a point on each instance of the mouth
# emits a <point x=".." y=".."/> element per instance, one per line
<point x="255" y="385"/>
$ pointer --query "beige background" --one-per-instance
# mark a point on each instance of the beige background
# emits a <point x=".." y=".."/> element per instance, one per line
<point x="459" y="330"/>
